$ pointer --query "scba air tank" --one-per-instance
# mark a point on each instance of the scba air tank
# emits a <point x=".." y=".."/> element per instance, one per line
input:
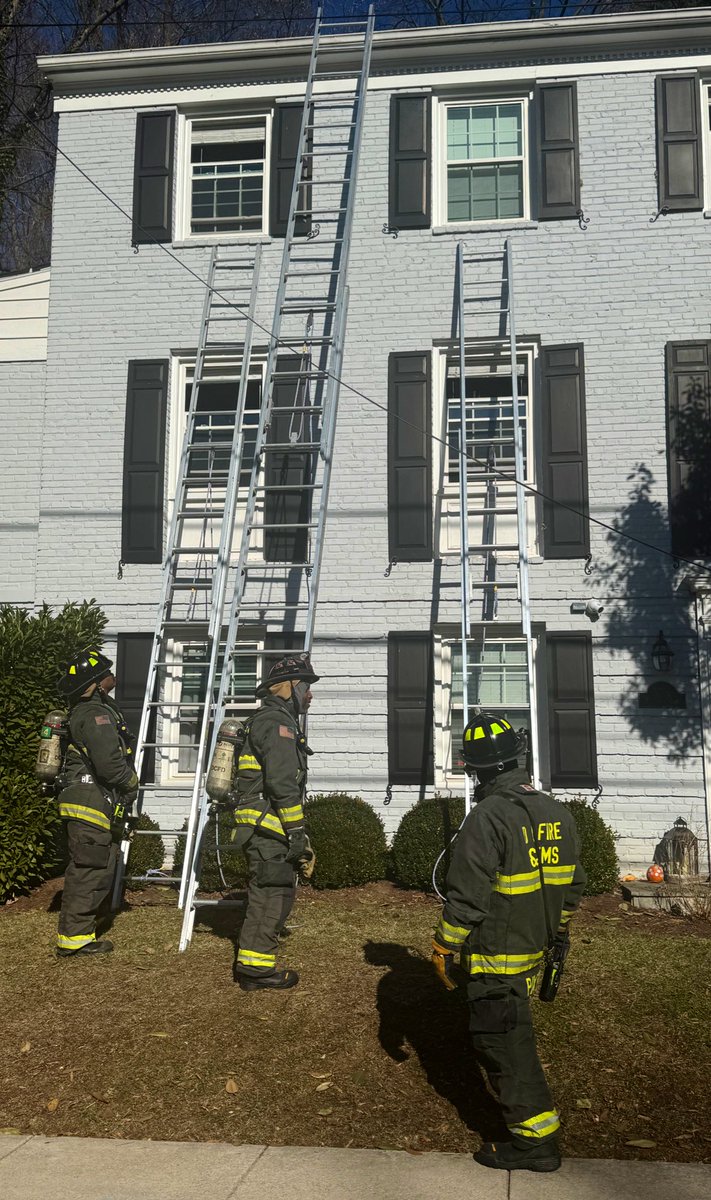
<point x="53" y="741"/>
<point x="219" y="777"/>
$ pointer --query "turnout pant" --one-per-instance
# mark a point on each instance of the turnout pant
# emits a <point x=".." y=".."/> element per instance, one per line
<point x="505" y="1045"/>
<point x="270" y="898"/>
<point x="87" y="883"/>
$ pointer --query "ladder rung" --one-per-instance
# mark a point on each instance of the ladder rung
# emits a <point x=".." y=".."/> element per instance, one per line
<point x="286" y="525"/>
<point x="499" y="512"/>
<point x="329" y="148"/>
<point x="475" y="547"/>
<point x="192" y="585"/>
<point x="494" y="584"/>
<point x="296" y="447"/>
<point x="198" y="903"/>
<point x="288" y="487"/>
<point x="323" y="214"/>
<point x="305" y="409"/>
<point x="313" y="274"/>
<point x="334" y="125"/>
<point x="306" y="306"/>
<point x="275" y="606"/>
<point x="329" y="181"/>
<point x="180" y="550"/>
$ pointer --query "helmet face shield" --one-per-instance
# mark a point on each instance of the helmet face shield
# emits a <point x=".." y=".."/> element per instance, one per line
<point x="489" y="740"/>
<point x="91" y="666"/>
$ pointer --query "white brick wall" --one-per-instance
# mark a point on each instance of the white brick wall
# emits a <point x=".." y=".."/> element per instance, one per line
<point x="21" y="412"/>
<point x="624" y="288"/>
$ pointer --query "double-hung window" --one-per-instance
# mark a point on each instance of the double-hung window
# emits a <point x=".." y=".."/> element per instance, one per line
<point x="497" y="682"/>
<point x="489" y="444"/>
<point x="227" y="177"/>
<point x="484" y="161"/>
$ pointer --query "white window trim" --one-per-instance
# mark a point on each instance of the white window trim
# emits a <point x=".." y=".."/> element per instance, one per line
<point x="439" y="159"/>
<point x="444" y="491"/>
<point x="444" y="777"/>
<point x="183" y="193"/>
<point x="705" y="85"/>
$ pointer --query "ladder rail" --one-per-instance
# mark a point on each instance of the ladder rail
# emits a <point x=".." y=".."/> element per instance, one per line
<point x="223" y="556"/>
<point x="523" y="576"/>
<point x="463" y="512"/>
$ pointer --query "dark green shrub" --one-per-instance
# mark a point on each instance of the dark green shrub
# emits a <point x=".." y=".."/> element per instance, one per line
<point x="146" y="853"/>
<point x="33" y="650"/>
<point x="349" y="840"/>
<point x="424" y="832"/>
<point x="597" y="847"/>
<point x="232" y="860"/>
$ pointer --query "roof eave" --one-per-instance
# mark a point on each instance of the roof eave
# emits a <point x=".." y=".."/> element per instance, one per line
<point x="392" y="50"/>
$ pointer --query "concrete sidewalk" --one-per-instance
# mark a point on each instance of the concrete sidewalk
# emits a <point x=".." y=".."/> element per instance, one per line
<point x="63" y="1168"/>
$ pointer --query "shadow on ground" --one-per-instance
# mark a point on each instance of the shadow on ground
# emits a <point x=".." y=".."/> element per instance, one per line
<point x="419" y="1016"/>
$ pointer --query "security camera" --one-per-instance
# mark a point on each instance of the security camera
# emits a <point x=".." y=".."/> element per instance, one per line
<point x="590" y="608"/>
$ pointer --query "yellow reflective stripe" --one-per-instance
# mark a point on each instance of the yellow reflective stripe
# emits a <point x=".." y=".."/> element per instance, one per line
<point x="248" y="761"/>
<point x="253" y="816"/>
<point x="77" y="812"/>
<point x="540" y="1126"/>
<point x="502" y="964"/>
<point x="451" y="933"/>
<point x="252" y="958"/>
<point x="73" y="943"/>
<point x="558" y="875"/>
<point x="510" y="885"/>
<point x="566" y="915"/>
<point x="292" y="814"/>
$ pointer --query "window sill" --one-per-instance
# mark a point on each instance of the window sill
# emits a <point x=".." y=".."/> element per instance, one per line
<point x="483" y="227"/>
<point x="238" y="239"/>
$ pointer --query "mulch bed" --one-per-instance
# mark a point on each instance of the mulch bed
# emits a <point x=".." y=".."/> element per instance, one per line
<point x="368" y="1051"/>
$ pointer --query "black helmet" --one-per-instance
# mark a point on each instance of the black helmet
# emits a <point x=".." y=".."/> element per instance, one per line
<point x="291" y="666"/>
<point x="91" y="666"/>
<point x="489" y="740"/>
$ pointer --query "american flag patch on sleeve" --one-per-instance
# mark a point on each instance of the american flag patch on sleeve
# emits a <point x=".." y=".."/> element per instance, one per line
<point x="284" y="731"/>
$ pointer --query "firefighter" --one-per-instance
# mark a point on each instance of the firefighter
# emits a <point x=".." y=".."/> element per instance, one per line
<point x="99" y="786"/>
<point x="514" y="882"/>
<point x="270" y="784"/>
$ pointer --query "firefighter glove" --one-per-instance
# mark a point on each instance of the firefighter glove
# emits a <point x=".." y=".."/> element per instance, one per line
<point x="299" y="847"/>
<point x="305" y="865"/>
<point x="443" y="963"/>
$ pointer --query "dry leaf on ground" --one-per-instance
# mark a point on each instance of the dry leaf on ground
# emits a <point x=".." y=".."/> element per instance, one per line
<point x="24" y="1048"/>
<point x="53" y="1104"/>
<point x="231" y="1087"/>
<point x="642" y="1143"/>
<point x="584" y="1103"/>
<point x="322" y="1087"/>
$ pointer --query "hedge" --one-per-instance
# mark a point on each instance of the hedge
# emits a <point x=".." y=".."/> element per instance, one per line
<point x="349" y="840"/>
<point x="33" y="651"/>
<point x="234" y="866"/>
<point x="597" y="847"/>
<point x="424" y="832"/>
<point x="146" y="853"/>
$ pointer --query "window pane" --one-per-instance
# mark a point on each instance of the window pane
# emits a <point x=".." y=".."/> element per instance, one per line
<point x="489" y="422"/>
<point x="481" y="131"/>
<point x="497" y="674"/>
<point x="241" y="697"/>
<point x="227" y="180"/>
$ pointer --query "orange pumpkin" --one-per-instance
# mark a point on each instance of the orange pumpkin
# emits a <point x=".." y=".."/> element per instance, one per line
<point x="655" y="874"/>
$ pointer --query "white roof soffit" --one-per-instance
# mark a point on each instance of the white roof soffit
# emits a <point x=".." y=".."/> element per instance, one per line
<point x="516" y="42"/>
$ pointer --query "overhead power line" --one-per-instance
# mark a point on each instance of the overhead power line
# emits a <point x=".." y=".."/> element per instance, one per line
<point x="297" y="349"/>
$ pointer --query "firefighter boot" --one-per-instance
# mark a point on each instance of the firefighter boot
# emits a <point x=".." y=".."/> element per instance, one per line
<point x="104" y="947"/>
<point x="275" y="981"/>
<point x="510" y="1156"/>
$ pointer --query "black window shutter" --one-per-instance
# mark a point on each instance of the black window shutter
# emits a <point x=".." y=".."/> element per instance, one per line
<point x="144" y="462"/>
<point x="410" y="708"/>
<point x="566" y="530"/>
<point x="133" y="658"/>
<point x="679" y="150"/>
<point x="285" y="144"/>
<point x="284" y="468"/>
<point x="559" y="165"/>
<point x="153" y="178"/>
<point x="571" y="710"/>
<point x="410" y="153"/>
<point x="688" y="426"/>
<point x="410" y="457"/>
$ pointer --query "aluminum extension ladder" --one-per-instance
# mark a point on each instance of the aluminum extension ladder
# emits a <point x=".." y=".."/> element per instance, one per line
<point x="298" y="436"/>
<point x="484" y="586"/>
<point x="197" y="559"/>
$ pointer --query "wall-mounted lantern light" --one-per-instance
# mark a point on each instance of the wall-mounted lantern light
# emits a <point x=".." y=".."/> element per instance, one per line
<point x="662" y="654"/>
